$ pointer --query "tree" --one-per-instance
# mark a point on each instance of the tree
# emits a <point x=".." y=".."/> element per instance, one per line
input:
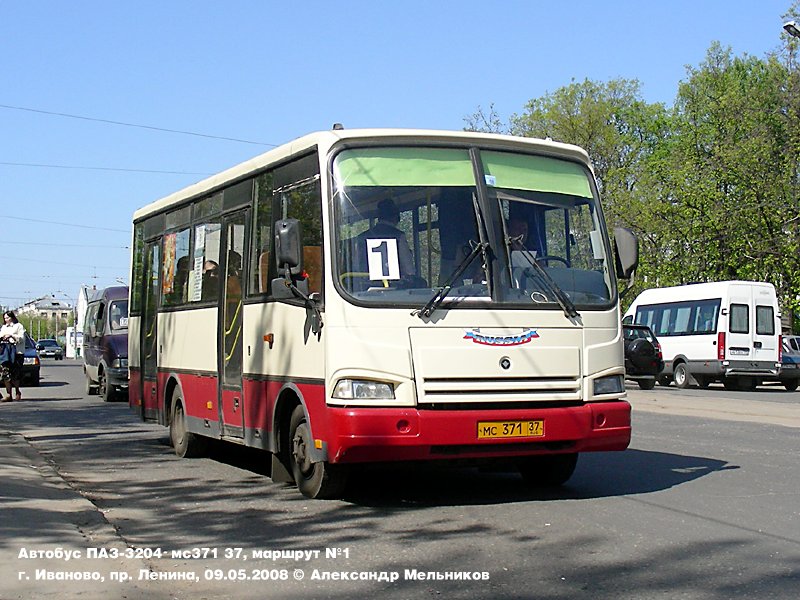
<point x="482" y="122"/>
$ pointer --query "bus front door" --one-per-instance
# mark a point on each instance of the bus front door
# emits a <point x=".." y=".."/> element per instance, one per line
<point x="231" y="397"/>
<point x="148" y="342"/>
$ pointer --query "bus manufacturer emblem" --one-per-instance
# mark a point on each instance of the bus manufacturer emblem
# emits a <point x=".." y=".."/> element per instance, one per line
<point x="505" y="340"/>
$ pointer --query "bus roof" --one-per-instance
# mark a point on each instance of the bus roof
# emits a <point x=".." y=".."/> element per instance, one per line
<point x="696" y="291"/>
<point x="324" y="140"/>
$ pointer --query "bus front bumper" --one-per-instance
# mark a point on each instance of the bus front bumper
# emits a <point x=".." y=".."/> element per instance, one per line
<point x="400" y="434"/>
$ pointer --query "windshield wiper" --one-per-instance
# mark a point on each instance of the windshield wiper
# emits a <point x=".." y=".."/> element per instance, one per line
<point x="437" y="299"/>
<point x="561" y="297"/>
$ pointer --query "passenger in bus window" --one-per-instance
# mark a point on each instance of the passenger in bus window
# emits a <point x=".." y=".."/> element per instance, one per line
<point x="210" y="280"/>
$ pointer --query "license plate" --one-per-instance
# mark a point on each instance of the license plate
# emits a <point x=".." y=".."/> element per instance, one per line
<point x="496" y="430"/>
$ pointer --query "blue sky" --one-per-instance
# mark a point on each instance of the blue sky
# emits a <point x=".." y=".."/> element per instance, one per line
<point x="267" y="72"/>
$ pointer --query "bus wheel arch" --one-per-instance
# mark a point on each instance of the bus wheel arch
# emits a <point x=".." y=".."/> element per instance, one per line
<point x="185" y="443"/>
<point x="314" y="478"/>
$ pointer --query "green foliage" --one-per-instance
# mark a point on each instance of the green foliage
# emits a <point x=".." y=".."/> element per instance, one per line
<point x="711" y="185"/>
<point x="39" y="327"/>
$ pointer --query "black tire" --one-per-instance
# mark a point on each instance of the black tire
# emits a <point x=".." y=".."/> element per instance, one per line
<point x="35" y="381"/>
<point x="551" y="470"/>
<point x="104" y="390"/>
<point x="646" y="384"/>
<point x="186" y="443"/>
<point x="664" y="380"/>
<point x="681" y="376"/>
<point x="314" y="480"/>
<point x="642" y="354"/>
<point x="790" y="385"/>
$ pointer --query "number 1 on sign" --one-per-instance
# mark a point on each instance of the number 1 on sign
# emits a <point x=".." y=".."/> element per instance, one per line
<point x="383" y="259"/>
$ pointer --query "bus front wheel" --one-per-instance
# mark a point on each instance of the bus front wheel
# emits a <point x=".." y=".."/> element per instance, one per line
<point x="551" y="470"/>
<point x="314" y="479"/>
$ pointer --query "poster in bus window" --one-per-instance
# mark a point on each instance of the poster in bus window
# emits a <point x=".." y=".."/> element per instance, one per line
<point x="196" y="274"/>
<point x="383" y="260"/>
<point x="170" y="243"/>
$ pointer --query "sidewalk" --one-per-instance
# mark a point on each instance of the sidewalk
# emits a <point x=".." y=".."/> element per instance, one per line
<point x="43" y="517"/>
<point x="717" y="406"/>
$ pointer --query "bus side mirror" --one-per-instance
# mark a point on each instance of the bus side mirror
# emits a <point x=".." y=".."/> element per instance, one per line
<point x="289" y="246"/>
<point x="291" y="282"/>
<point x="626" y="252"/>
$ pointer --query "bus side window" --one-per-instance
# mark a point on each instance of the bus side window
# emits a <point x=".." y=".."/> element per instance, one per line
<point x="260" y="268"/>
<point x="301" y="199"/>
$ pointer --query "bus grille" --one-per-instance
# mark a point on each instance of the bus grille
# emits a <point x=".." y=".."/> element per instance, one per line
<point x="505" y="390"/>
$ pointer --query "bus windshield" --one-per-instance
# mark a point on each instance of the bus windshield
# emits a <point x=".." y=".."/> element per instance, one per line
<point x="119" y="315"/>
<point x="411" y="220"/>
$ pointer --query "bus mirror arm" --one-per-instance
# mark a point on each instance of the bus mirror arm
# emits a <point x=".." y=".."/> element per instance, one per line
<point x="289" y="287"/>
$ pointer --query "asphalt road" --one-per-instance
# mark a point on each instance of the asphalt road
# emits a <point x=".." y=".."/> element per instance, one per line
<point x="703" y="505"/>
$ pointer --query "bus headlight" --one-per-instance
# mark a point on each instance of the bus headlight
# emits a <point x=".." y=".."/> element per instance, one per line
<point x="350" y="389"/>
<point x="612" y="384"/>
<point x="120" y="363"/>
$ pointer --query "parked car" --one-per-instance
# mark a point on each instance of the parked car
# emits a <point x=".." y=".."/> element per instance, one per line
<point x="643" y="358"/>
<point x="789" y="375"/>
<point x="31" y="363"/>
<point x="50" y="349"/>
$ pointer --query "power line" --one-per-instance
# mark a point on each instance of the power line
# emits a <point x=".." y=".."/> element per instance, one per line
<point x="60" y="245"/>
<point x="118" y="169"/>
<point x="122" y="123"/>
<point x="63" y="264"/>
<point x="69" y="224"/>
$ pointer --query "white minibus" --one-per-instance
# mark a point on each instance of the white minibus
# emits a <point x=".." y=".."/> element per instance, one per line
<point x="726" y="331"/>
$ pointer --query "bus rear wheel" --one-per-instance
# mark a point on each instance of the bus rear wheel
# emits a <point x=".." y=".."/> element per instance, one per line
<point x="681" y="376"/>
<point x="551" y="470"/>
<point x="186" y="443"/>
<point x="314" y="479"/>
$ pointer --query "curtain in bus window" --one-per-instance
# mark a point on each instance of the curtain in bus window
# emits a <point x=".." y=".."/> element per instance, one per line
<point x="706" y="316"/>
<point x="682" y="323"/>
<point x="739" y="318"/>
<point x="765" y="320"/>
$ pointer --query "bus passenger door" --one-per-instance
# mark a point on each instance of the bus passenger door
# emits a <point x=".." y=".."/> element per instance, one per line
<point x="231" y="398"/>
<point x="148" y="343"/>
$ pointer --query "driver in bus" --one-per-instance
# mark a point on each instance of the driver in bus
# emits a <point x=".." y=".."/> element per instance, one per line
<point x="386" y="227"/>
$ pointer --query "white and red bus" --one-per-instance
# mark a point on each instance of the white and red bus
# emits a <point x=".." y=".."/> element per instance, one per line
<point x="367" y="296"/>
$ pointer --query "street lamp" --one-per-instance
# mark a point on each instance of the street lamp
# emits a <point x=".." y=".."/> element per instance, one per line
<point x="792" y="29"/>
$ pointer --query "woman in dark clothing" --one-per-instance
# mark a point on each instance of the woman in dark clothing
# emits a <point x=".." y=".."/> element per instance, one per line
<point x="12" y="353"/>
